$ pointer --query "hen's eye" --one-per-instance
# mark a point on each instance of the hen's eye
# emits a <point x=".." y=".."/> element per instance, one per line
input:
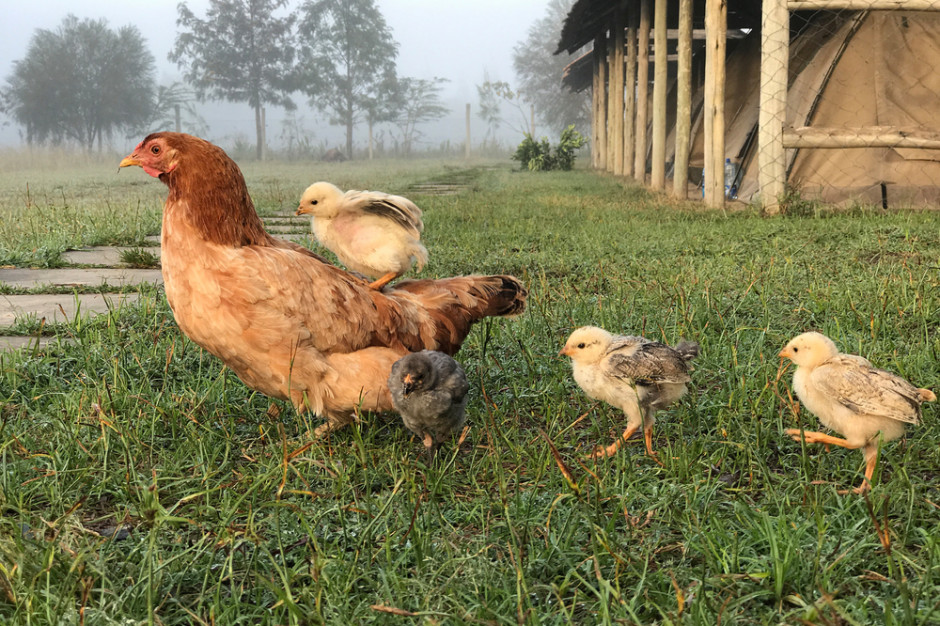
<point x="581" y="346"/>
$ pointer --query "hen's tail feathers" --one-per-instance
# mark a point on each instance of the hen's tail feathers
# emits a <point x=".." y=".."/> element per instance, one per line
<point x="688" y="350"/>
<point x="926" y="395"/>
<point x="454" y="304"/>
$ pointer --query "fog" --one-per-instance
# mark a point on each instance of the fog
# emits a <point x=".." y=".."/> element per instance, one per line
<point x="460" y="40"/>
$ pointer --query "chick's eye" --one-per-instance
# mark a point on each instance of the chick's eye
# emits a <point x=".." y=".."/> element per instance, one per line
<point x="313" y="202"/>
<point x="796" y="349"/>
<point x="155" y="150"/>
<point x="580" y="346"/>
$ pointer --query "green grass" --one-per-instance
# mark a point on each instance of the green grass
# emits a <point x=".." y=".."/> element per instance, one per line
<point x="142" y="482"/>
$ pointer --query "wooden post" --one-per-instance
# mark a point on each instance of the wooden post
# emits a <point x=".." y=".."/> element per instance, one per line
<point x="642" y="90"/>
<point x="716" y="26"/>
<point x="600" y="57"/>
<point x="616" y="92"/>
<point x="774" y="69"/>
<point x="629" y="109"/>
<point x="466" y="150"/>
<point x="680" y="185"/>
<point x="658" y="166"/>
<point x="595" y="110"/>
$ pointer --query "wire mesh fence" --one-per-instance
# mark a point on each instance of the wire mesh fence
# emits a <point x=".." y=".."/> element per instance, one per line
<point x="849" y="104"/>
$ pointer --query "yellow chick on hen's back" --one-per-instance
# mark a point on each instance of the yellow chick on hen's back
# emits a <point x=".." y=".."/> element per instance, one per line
<point x="373" y="233"/>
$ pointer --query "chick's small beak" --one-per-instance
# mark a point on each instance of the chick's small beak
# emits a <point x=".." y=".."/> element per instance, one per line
<point x="300" y="210"/>
<point x="565" y="352"/>
<point x="128" y="161"/>
<point x="408" y="383"/>
<point x="786" y="353"/>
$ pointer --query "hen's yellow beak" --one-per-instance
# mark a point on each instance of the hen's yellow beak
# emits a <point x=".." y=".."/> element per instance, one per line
<point x="128" y="161"/>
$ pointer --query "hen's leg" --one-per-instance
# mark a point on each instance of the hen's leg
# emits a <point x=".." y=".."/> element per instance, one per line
<point x="384" y="280"/>
<point x="334" y="422"/>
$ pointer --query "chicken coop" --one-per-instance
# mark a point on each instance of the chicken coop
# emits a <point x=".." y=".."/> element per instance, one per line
<point x="836" y="100"/>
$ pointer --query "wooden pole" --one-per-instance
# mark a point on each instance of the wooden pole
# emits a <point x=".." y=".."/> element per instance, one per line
<point x="629" y="109"/>
<point x="616" y="92"/>
<point x="466" y="149"/>
<point x="600" y="54"/>
<point x="658" y="166"/>
<point x="595" y="110"/>
<point x="775" y="62"/>
<point x="867" y="137"/>
<point x="680" y="185"/>
<point x="642" y="90"/>
<point x="716" y="26"/>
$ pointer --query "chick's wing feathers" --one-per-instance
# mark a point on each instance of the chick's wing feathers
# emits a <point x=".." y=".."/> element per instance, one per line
<point x="453" y="380"/>
<point x="853" y="382"/>
<point x="647" y="362"/>
<point x="401" y="210"/>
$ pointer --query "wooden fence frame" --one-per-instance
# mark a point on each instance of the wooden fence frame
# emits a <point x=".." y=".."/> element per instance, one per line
<point x="774" y="137"/>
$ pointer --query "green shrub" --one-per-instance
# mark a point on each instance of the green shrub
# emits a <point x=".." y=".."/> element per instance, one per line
<point x="539" y="156"/>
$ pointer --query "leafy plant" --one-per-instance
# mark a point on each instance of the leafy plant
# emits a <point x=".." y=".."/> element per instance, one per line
<point x="540" y="156"/>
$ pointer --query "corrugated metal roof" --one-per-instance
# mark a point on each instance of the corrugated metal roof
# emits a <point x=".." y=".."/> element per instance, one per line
<point x="588" y="17"/>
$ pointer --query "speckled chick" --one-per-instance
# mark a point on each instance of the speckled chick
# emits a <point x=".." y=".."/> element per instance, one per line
<point x="634" y="374"/>
<point x="429" y="390"/>
<point x="849" y="395"/>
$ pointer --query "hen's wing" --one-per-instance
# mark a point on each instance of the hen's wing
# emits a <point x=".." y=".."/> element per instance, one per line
<point x="854" y="383"/>
<point x="306" y="297"/>
<point x="401" y="210"/>
<point x="645" y="362"/>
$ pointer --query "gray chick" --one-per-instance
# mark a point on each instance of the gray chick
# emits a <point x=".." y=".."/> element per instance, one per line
<point x="429" y="390"/>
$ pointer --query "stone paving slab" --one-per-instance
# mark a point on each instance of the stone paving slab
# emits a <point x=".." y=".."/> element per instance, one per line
<point x="18" y="343"/>
<point x="72" y="277"/>
<point x="103" y="255"/>
<point x="60" y="307"/>
<point x="153" y="239"/>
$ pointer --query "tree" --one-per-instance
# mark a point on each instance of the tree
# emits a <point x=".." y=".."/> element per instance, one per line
<point x="420" y="103"/>
<point x="241" y="52"/>
<point x="539" y="72"/>
<point x="175" y="109"/>
<point x="348" y="59"/>
<point x="493" y="94"/>
<point x="81" y="82"/>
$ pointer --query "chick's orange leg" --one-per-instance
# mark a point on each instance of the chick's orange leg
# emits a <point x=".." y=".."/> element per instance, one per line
<point x="611" y="450"/>
<point x="648" y="437"/>
<point x="871" y="458"/>
<point x="384" y="280"/>
<point x="814" y="437"/>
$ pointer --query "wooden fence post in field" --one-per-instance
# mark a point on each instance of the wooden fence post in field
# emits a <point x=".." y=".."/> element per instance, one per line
<point x="775" y="62"/>
<point x="716" y="29"/>
<point x="642" y="91"/>
<point x="466" y="150"/>
<point x="658" y="165"/>
<point x="680" y="176"/>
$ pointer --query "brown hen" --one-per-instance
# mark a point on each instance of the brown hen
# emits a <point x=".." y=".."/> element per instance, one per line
<point x="287" y="322"/>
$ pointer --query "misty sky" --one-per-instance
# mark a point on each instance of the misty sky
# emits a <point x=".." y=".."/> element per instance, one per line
<point x="454" y="39"/>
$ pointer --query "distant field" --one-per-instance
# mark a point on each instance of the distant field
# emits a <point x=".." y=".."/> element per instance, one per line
<point x="143" y="482"/>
